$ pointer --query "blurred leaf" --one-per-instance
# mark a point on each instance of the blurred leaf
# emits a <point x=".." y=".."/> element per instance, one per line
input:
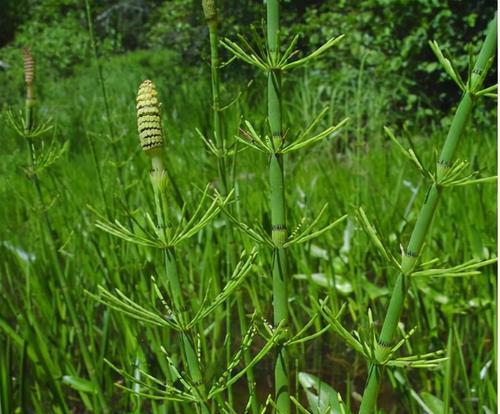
<point x="374" y="291"/>
<point x="340" y="283"/>
<point x="435" y="404"/>
<point x="322" y="398"/>
<point x="79" y="384"/>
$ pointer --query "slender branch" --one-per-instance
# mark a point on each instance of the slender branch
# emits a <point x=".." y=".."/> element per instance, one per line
<point x="424" y="220"/>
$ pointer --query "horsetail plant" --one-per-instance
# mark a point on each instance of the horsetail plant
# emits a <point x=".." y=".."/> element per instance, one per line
<point x="220" y="151"/>
<point x="448" y="174"/>
<point x="162" y="234"/>
<point x="25" y="126"/>
<point x="150" y="133"/>
<point x="210" y="12"/>
<point x="28" y="128"/>
<point x="273" y="62"/>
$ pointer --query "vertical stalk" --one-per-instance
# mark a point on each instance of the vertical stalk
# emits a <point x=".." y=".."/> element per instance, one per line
<point x="29" y="78"/>
<point x="424" y="219"/>
<point x="29" y="72"/>
<point x="158" y="175"/>
<point x="102" y="86"/>
<point x="211" y="16"/>
<point x="278" y="211"/>
<point x="210" y="11"/>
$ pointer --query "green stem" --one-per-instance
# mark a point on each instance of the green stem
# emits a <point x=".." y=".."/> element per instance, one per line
<point x="217" y="122"/>
<point x="278" y="209"/>
<point x="187" y="345"/>
<point x="158" y="175"/>
<point x="212" y="22"/>
<point x="104" y="93"/>
<point x="61" y="278"/>
<point x="30" y="103"/>
<point x="52" y="249"/>
<point x="424" y="220"/>
<point x="214" y="72"/>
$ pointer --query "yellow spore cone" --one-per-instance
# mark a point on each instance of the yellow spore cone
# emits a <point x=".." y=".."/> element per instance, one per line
<point x="148" y="117"/>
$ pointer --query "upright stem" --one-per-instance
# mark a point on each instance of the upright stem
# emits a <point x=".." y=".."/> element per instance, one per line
<point x="29" y="78"/>
<point x="187" y="345"/>
<point x="217" y="122"/>
<point x="61" y="278"/>
<point x="211" y="15"/>
<point x="102" y="85"/>
<point x="424" y="219"/>
<point x="52" y="248"/>
<point x="278" y="211"/>
<point x="158" y="177"/>
<point x="30" y="103"/>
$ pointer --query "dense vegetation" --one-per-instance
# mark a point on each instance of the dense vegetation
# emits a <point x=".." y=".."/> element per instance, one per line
<point x="69" y="342"/>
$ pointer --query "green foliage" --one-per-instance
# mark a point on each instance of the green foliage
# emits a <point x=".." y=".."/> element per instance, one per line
<point x="325" y="174"/>
<point x="389" y="38"/>
<point x="178" y="25"/>
<point x="13" y="14"/>
<point x="386" y="39"/>
<point x="55" y="32"/>
<point x="62" y="42"/>
<point x="57" y="35"/>
<point x="80" y="163"/>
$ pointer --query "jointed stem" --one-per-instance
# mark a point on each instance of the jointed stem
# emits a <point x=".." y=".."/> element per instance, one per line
<point x="278" y="212"/>
<point x="424" y="220"/>
<point x="212" y="22"/>
<point x="217" y="122"/>
<point x="100" y="77"/>
<point x="158" y="175"/>
<point x="53" y="253"/>
<point x="187" y="345"/>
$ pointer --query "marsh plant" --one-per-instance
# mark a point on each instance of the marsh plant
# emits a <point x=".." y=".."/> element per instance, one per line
<point x="221" y="149"/>
<point x="44" y="150"/>
<point x="447" y="174"/>
<point x="381" y="352"/>
<point x="219" y="298"/>
<point x="164" y="232"/>
<point x="267" y="56"/>
<point x="161" y="234"/>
